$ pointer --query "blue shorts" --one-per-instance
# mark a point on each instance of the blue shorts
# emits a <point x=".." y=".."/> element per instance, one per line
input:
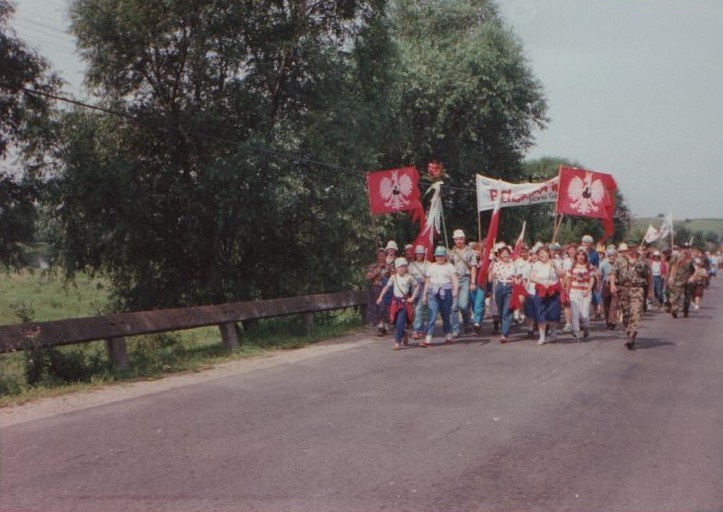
<point x="531" y="310"/>
<point x="549" y="308"/>
<point x="596" y="298"/>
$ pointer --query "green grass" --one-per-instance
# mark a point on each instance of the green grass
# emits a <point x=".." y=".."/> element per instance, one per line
<point x="27" y="376"/>
<point x="48" y="298"/>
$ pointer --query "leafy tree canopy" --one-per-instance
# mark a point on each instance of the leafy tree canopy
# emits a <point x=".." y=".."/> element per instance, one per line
<point x="24" y="125"/>
<point x="467" y="95"/>
<point x="188" y="196"/>
<point x="233" y="167"/>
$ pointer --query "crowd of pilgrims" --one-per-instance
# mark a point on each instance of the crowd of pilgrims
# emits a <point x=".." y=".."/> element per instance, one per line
<point x="542" y="288"/>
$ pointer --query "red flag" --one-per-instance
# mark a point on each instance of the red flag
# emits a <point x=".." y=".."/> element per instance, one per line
<point x="585" y="193"/>
<point x="431" y="225"/>
<point x="425" y="238"/>
<point x="491" y="237"/>
<point x="520" y="242"/>
<point x="394" y="190"/>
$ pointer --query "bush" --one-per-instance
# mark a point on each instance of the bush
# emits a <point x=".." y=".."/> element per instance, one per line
<point x="24" y="311"/>
<point x="10" y="385"/>
<point x="155" y="353"/>
<point x="53" y="366"/>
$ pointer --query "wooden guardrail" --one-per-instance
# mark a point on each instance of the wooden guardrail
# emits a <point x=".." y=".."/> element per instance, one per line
<point x="115" y="328"/>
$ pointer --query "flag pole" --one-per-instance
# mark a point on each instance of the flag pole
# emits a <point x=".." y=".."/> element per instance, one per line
<point x="479" y="225"/>
<point x="558" y="223"/>
<point x="444" y="224"/>
<point x="371" y="214"/>
<point x="376" y="232"/>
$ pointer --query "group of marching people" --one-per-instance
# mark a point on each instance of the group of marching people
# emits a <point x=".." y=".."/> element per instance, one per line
<point x="539" y="286"/>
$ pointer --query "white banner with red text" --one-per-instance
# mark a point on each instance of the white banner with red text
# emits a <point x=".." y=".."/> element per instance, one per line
<point x="514" y="194"/>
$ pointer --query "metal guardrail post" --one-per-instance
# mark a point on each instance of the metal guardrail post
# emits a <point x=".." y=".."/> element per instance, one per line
<point x="308" y="322"/>
<point x="229" y="335"/>
<point x="117" y="352"/>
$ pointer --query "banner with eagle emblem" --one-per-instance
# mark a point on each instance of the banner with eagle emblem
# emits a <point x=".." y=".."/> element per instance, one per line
<point x="394" y="190"/>
<point x="584" y="193"/>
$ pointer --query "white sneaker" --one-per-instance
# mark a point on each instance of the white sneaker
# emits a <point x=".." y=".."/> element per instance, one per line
<point x="541" y="341"/>
<point x="567" y="328"/>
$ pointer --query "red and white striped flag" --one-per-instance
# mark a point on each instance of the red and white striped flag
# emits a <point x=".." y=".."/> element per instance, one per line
<point x="520" y="242"/>
<point x="431" y="224"/>
<point x="491" y="237"/>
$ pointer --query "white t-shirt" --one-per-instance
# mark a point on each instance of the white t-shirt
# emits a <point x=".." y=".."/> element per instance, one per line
<point x="544" y="273"/>
<point x="440" y="276"/>
<point x="402" y="285"/>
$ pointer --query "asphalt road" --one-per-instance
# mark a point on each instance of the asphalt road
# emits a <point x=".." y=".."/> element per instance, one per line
<point x="473" y="426"/>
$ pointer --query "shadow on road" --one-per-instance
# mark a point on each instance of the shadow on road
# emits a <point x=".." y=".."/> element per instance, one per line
<point x="645" y="343"/>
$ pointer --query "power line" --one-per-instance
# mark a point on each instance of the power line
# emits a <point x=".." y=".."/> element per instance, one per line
<point x="277" y="153"/>
<point x="130" y="117"/>
<point x="44" y="25"/>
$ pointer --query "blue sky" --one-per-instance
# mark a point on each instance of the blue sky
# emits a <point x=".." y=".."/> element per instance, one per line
<point x="634" y="88"/>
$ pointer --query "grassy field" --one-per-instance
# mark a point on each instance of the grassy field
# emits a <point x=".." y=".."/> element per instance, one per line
<point x="26" y="376"/>
<point x="45" y="297"/>
<point x="640" y="224"/>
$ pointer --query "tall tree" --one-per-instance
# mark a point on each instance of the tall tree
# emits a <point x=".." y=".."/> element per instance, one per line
<point x="24" y="121"/>
<point x="188" y="195"/>
<point x="467" y="97"/>
<point x="233" y="165"/>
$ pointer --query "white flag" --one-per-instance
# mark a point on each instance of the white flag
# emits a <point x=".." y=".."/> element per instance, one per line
<point x="666" y="228"/>
<point x="651" y="235"/>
